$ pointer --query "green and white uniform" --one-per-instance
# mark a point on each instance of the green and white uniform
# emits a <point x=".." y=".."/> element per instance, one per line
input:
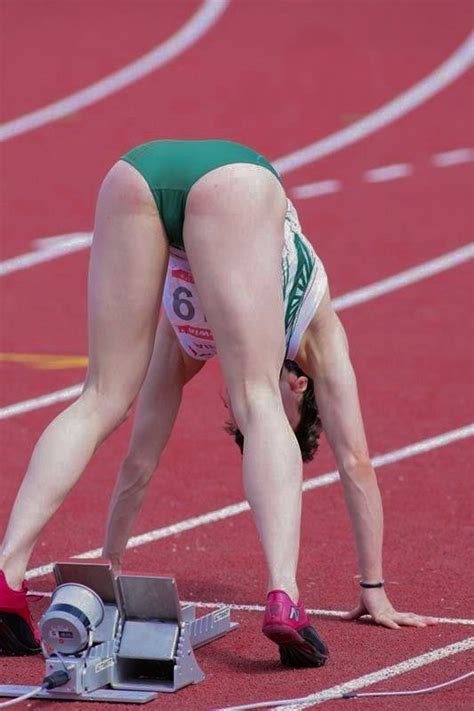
<point x="303" y="278"/>
<point x="171" y="168"/>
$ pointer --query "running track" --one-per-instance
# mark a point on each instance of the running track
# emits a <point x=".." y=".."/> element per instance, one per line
<point x="279" y="80"/>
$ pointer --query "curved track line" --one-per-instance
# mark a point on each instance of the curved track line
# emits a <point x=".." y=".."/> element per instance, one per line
<point x="47" y="249"/>
<point x="191" y="32"/>
<point x="445" y="74"/>
<point x="37" y="403"/>
<point x="405" y="278"/>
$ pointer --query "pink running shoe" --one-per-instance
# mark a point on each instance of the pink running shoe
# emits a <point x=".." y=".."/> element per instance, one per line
<point x="18" y="634"/>
<point x="287" y="624"/>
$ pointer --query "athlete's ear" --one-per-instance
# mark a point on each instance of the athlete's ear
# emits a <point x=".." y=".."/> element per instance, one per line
<point x="300" y="384"/>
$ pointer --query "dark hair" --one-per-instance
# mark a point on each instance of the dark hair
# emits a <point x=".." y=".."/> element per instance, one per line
<point x="309" y="428"/>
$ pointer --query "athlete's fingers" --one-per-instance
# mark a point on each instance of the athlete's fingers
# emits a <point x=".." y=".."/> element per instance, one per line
<point x="386" y="621"/>
<point x="413" y="620"/>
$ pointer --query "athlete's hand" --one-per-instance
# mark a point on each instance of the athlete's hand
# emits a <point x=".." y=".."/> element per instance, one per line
<point x="374" y="602"/>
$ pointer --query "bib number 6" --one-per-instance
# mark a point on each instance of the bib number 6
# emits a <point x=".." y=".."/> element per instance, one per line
<point x="182" y="306"/>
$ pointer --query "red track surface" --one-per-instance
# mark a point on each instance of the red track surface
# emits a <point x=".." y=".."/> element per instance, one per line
<point x="277" y="79"/>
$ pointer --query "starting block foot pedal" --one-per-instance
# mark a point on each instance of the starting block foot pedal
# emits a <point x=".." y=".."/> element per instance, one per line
<point x="155" y="649"/>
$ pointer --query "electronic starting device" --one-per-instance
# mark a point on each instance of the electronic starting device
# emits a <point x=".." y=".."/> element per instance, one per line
<point x="120" y="639"/>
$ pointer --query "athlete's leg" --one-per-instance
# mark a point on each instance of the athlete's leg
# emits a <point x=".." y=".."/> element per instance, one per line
<point x="127" y="269"/>
<point x="233" y="235"/>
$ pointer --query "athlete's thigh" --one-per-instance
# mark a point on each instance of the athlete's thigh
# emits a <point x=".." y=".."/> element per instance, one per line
<point x="233" y="234"/>
<point x="126" y="274"/>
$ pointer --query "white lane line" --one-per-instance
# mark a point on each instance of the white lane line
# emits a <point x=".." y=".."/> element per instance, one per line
<point x="352" y="298"/>
<point x="235" y="509"/>
<point x="440" y="78"/>
<point x="37" y="403"/>
<point x="445" y="74"/>
<point x="403" y="279"/>
<point x="323" y="187"/>
<point x="335" y="692"/>
<point x="388" y="172"/>
<point x="311" y="611"/>
<point x="383" y="173"/>
<point x="209" y="12"/>
<point x="460" y="155"/>
<point x="411" y="450"/>
<point x="47" y="248"/>
<point x="260" y="608"/>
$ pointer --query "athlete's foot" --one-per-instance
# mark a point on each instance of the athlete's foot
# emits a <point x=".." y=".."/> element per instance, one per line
<point x="18" y="634"/>
<point x="286" y="623"/>
<point x="13" y="570"/>
<point x="289" y="588"/>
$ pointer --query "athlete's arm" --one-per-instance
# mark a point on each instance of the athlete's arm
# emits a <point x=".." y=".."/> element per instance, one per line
<point x="157" y="407"/>
<point x="324" y="356"/>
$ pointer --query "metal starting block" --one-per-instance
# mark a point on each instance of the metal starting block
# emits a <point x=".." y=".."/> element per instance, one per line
<point x="121" y="640"/>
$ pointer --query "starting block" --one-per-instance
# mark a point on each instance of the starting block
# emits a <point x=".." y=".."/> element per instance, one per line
<point x="121" y="640"/>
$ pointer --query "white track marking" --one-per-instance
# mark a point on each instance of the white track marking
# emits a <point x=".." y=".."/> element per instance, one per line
<point x="311" y="611"/>
<point x="388" y="172"/>
<point x="398" y="455"/>
<point x="260" y="608"/>
<point x="403" y="279"/>
<point x="36" y="403"/>
<point x="189" y="34"/>
<point x="383" y="173"/>
<point x="71" y="241"/>
<point x="425" y="445"/>
<point x="335" y="692"/>
<point x="323" y="187"/>
<point x="445" y="74"/>
<point x="235" y="509"/>
<point x="359" y="296"/>
<point x="408" y="665"/>
<point x="47" y="249"/>
<point x="460" y="155"/>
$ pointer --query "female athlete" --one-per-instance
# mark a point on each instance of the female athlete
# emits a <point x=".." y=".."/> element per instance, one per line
<point x="205" y="227"/>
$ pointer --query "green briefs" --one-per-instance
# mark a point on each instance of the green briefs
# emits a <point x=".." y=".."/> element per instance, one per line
<point x="172" y="167"/>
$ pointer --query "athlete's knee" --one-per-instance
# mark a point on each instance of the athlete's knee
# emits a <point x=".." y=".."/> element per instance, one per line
<point x="250" y="400"/>
<point x="138" y="469"/>
<point x="110" y="408"/>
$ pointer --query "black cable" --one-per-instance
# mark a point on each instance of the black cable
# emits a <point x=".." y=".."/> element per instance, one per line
<point x="57" y="678"/>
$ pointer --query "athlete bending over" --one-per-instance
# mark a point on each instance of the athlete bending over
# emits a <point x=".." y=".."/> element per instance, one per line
<point x="206" y="226"/>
